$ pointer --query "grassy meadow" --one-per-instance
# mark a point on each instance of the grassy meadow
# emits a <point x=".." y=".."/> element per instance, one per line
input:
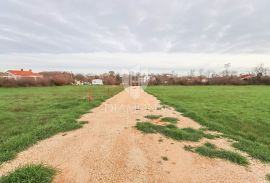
<point x="28" y="115"/>
<point x="239" y="112"/>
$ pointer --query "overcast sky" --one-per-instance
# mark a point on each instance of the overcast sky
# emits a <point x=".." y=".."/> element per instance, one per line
<point x="163" y="35"/>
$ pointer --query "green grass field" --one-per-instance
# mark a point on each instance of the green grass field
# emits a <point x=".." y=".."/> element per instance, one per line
<point x="28" y="115"/>
<point x="240" y="112"/>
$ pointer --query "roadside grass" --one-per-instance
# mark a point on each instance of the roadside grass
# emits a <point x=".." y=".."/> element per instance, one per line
<point x="173" y="132"/>
<point x="28" y="115"/>
<point x="268" y="177"/>
<point x="153" y="116"/>
<point x="210" y="150"/>
<point x="30" y="174"/>
<point x="239" y="112"/>
<point x="170" y="120"/>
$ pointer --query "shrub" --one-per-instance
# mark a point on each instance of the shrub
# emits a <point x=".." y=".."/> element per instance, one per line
<point x="49" y="79"/>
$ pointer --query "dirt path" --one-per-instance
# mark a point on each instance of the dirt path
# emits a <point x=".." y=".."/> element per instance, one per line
<point x="109" y="149"/>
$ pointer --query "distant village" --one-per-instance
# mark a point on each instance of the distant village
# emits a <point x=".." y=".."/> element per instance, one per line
<point x="23" y="77"/>
<point x="27" y="77"/>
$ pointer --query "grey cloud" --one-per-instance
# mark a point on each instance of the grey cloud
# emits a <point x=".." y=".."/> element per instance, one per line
<point x="81" y="26"/>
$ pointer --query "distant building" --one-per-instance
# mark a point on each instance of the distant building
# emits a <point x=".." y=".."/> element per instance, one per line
<point x="135" y="79"/>
<point x="97" y="82"/>
<point x="78" y="82"/>
<point x="4" y="75"/>
<point x="204" y="80"/>
<point x="246" y="76"/>
<point x="20" y="74"/>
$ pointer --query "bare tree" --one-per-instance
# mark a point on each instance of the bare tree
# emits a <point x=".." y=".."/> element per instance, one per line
<point x="192" y="73"/>
<point x="226" y="71"/>
<point x="111" y="73"/>
<point x="80" y="77"/>
<point x="209" y="73"/>
<point x="201" y="73"/>
<point x="260" y="70"/>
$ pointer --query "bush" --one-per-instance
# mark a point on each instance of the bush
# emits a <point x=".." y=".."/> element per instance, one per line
<point x="49" y="79"/>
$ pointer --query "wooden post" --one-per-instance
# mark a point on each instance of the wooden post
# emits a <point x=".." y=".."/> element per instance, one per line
<point x="90" y="96"/>
<point x="108" y="92"/>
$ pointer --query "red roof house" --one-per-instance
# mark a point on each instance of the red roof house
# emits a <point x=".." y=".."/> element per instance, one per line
<point x="246" y="76"/>
<point x="18" y="74"/>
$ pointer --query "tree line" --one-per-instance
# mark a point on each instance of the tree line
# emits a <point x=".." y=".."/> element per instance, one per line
<point x="259" y="75"/>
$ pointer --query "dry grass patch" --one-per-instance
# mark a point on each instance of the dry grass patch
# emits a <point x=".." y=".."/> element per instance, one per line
<point x="152" y="116"/>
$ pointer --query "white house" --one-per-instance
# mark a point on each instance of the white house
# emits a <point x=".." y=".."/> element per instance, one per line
<point x="97" y="82"/>
<point x="78" y="82"/>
